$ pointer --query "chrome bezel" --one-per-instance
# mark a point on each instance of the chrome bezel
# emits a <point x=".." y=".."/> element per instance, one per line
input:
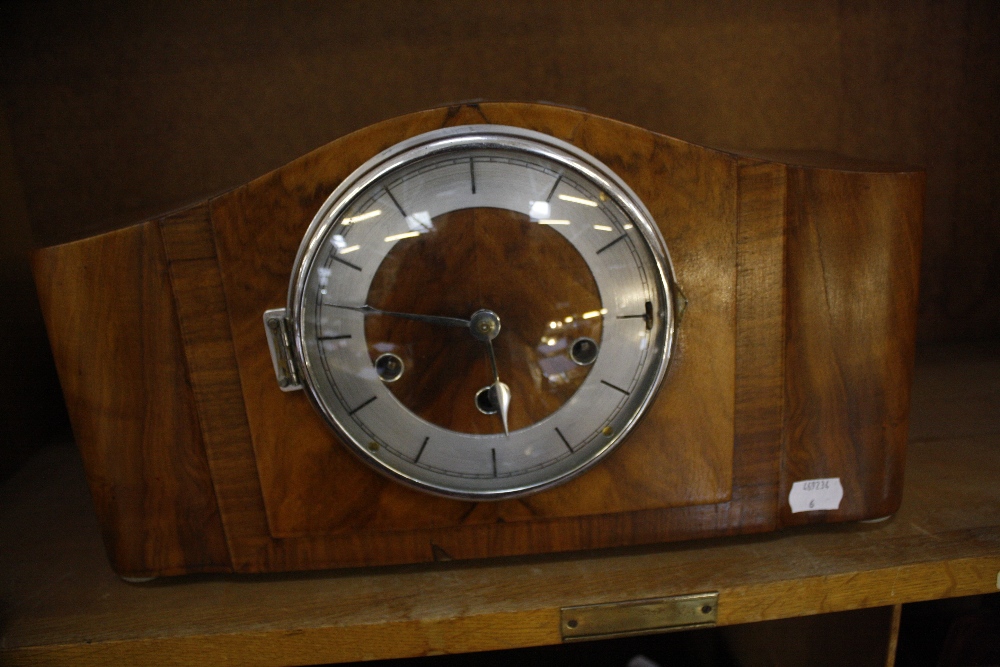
<point x="463" y="138"/>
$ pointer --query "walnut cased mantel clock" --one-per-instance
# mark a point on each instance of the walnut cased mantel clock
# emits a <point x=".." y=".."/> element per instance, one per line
<point x="489" y="330"/>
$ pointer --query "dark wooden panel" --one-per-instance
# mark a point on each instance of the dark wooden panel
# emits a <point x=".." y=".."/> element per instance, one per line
<point x="760" y="304"/>
<point x="109" y="311"/>
<point x="215" y="383"/>
<point x="853" y="266"/>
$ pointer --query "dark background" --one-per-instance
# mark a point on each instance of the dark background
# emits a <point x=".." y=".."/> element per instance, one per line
<point x="112" y="112"/>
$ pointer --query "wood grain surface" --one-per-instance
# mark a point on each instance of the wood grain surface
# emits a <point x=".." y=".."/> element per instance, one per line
<point x="62" y="603"/>
<point x="850" y="334"/>
<point x="791" y="361"/>
<point x="114" y="333"/>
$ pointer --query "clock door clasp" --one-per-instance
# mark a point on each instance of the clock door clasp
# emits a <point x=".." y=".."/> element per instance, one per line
<point x="279" y="342"/>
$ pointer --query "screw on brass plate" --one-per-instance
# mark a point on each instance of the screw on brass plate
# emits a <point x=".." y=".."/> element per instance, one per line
<point x="373" y="446"/>
<point x="571" y="623"/>
<point x="706" y="609"/>
<point x="607" y="430"/>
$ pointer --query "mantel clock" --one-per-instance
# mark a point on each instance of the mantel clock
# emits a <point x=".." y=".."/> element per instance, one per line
<point x="490" y="330"/>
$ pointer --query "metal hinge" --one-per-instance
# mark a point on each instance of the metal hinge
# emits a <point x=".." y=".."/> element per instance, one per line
<point x="280" y="343"/>
<point x="638" y="617"/>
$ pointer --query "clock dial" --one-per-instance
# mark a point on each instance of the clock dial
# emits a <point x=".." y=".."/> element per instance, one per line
<point x="527" y="273"/>
<point x="482" y="311"/>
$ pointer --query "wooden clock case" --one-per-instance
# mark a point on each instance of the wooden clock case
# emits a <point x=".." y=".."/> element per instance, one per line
<point x="792" y="362"/>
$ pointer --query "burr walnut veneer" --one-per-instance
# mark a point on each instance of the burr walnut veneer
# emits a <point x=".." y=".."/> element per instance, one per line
<point x="792" y="362"/>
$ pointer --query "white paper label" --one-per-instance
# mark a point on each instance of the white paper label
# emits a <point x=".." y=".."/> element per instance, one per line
<point x="816" y="494"/>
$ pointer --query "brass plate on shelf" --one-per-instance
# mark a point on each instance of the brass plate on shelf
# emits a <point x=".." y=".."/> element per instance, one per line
<point x="638" y="617"/>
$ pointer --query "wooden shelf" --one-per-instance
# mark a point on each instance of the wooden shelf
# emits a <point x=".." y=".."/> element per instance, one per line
<point x="61" y="603"/>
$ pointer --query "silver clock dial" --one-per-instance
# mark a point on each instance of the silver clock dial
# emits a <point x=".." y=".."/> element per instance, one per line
<point x="482" y="311"/>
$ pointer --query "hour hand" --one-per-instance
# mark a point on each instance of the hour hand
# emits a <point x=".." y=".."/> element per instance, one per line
<point x="502" y="393"/>
<point x="499" y="391"/>
<point x="485" y="325"/>
<point x="430" y="319"/>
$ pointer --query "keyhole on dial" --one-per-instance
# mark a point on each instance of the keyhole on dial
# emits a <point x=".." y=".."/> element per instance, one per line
<point x="583" y="352"/>
<point x="389" y="367"/>
<point x="486" y="401"/>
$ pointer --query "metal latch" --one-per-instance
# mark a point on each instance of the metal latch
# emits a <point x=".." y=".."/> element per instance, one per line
<point x="280" y="344"/>
<point x="638" y="617"/>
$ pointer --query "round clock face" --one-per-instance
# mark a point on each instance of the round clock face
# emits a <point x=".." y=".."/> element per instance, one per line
<point x="482" y="311"/>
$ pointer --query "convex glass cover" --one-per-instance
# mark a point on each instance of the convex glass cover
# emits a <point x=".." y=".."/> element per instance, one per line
<point x="480" y="311"/>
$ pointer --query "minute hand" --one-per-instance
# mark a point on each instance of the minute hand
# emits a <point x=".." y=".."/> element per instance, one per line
<point x="430" y="319"/>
